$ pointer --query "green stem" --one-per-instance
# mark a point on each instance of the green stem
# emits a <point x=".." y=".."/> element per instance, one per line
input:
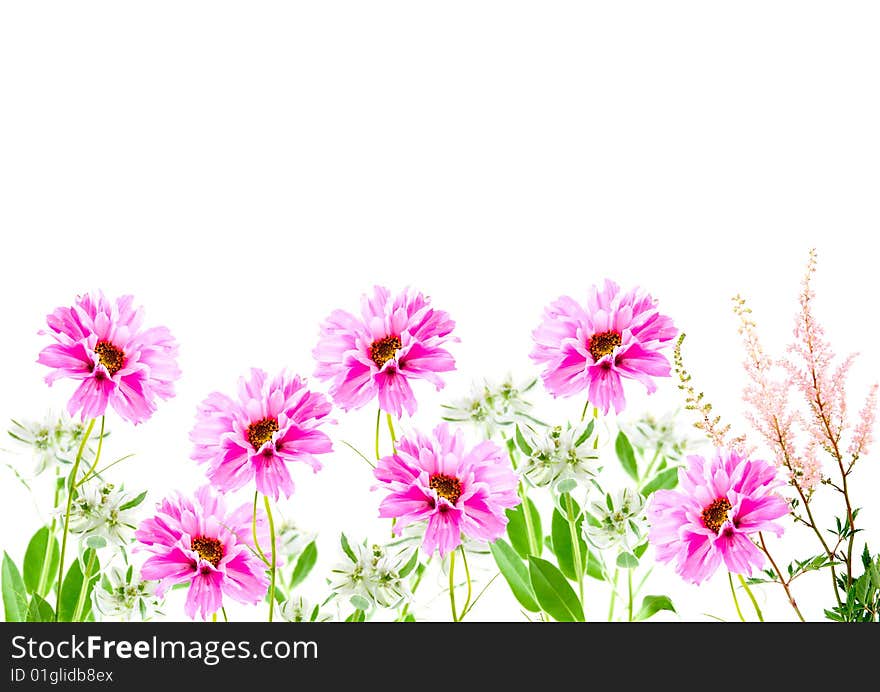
<point x="391" y="430"/>
<point x="575" y="545"/>
<point x="84" y="588"/>
<point x="274" y="556"/>
<point x="50" y="543"/>
<point x="584" y="412"/>
<point x="613" y="594"/>
<point x="70" y="490"/>
<point x="94" y="465"/>
<point x="254" y="530"/>
<point x="527" y="516"/>
<point x="418" y="580"/>
<point x="467" y="573"/>
<point x="745" y="585"/>
<point x="782" y="581"/>
<point x="629" y="583"/>
<point x="735" y="600"/>
<point x="452" y="586"/>
<point x="378" y="423"/>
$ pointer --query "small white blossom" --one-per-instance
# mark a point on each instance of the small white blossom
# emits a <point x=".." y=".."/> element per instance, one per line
<point x="492" y="406"/>
<point x="622" y="521"/>
<point x="300" y="610"/>
<point x="373" y="577"/>
<point x="561" y="456"/>
<point x="665" y="434"/>
<point x="55" y="439"/>
<point x="103" y="515"/>
<point x="123" y="595"/>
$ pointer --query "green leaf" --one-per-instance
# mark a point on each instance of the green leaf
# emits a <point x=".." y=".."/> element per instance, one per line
<point x="411" y="564"/>
<point x="71" y="586"/>
<point x="15" y="604"/>
<point x="562" y="547"/>
<point x="553" y="591"/>
<point x="639" y="550"/>
<point x="626" y="456"/>
<point x="515" y="574"/>
<point x="38" y="572"/>
<point x="304" y="565"/>
<point x="356" y="616"/>
<point x="134" y="502"/>
<point x="516" y="528"/>
<point x="346" y="548"/>
<point x="522" y="444"/>
<point x="586" y="433"/>
<point x="627" y="560"/>
<point x="39" y="610"/>
<point x="652" y="605"/>
<point x="665" y="480"/>
<point x="360" y="603"/>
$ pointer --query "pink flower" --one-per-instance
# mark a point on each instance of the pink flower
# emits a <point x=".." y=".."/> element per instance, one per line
<point x="456" y="491"/>
<point x="712" y="515"/>
<point x="380" y="352"/>
<point x="198" y="541"/>
<point x="271" y="423"/>
<point x="616" y="335"/>
<point x="117" y="361"/>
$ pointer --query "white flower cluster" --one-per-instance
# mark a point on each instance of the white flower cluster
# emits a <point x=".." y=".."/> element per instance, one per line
<point x="372" y="576"/>
<point x="493" y="406"/>
<point x="53" y="440"/>
<point x="123" y="595"/>
<point x="560" y="456"/>
<point x="622" y="521"/>
<point x="103" y="515"/>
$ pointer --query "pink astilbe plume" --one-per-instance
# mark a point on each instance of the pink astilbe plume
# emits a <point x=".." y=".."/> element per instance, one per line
<point x="455" y="490"/>
<point x="393" y="342"/>
<point x="711" y="517"/>
<point x="270" y="424"/>
<point x="593" y="347"/>
<point x="197" y="541"/>
<point x="103" y="345"/>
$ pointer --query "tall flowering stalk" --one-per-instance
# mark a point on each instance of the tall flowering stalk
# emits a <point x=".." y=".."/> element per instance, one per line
<point x="797" y="404"/>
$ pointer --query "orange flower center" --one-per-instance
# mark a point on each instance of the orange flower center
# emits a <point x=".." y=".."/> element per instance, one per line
<point x="603" y="344"/>
<point x="260" y="432"/>
<point x="110" y="357"/>
<point x="209" y="549"/>
<point x="383" y="350"/>
<point x="446" y="486"/>
<point x="716" y="514"/>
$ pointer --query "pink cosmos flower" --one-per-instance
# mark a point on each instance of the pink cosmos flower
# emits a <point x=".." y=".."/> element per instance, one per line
<point x="271" y="423"/>
<point x="104" y="345"/>
<point x="616" y="335"/>
<point x="198" y="541"/>
<point x="457" y="491"/>
<point x="712" y="515"/>
<point x="392" y="342"/>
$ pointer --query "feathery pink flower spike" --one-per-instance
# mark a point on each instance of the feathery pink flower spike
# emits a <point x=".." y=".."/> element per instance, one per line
<point x="616" y="335"/>
<point x="198" y="541"/>
<point x="710" y="518"/>
<point x="455" y="490"/>
<point x="393" y="342"/>
<point x="118" y="363"/>
<point x="273" y="421"/>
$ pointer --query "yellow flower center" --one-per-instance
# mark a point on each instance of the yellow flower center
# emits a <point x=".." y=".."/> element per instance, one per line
<point x="209" y="549"/>
<point x="603" y="344"/>
<point x="260" y="432"/>
<point x="716" y="514"/>
<point x="110" y="357"/>
<point x="383" y="350"/>
<point x="446" y="486"/>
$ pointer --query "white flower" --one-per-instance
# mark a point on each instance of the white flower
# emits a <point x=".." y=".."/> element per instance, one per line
<point x="664" y="435"/>
<point x="492" y="406"/>
<point x="103" y="514"/>
<point x="54" y="439"/>
<point x="124" y="595"/>
<point x="622" y="521"/>
<point x="373" y="577"/>
<point x="300" y="610"/>
<point x="291" y="539"/>
<point x="561" y="456"/>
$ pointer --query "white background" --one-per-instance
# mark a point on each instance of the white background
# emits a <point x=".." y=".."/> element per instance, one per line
<point x="243" y="169"/>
